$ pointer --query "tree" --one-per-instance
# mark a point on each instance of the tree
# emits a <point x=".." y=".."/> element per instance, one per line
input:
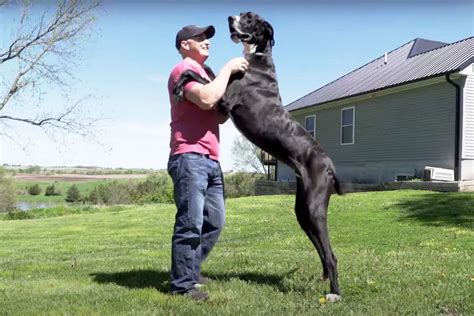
<point x="39" y="54"/>
<point x="34" y="190"/>
<point x="94" y="197"/>
<point x="7" y="193"/>
<point x="51" y="191"/>
<point x="33" y="170"/>
<point x="246" y="155"/>
<point x="73" y="194"/>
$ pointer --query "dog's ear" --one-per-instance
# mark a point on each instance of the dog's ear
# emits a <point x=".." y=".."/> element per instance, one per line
<point x="269" y="32"/>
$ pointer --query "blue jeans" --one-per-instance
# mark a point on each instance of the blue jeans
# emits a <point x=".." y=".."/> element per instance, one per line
<point x="199" y="198"/>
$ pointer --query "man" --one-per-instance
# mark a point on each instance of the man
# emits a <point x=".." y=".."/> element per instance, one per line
<point x="194" y="160"/>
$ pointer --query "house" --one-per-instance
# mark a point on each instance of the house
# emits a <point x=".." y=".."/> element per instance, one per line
<point x="411" y="108"/>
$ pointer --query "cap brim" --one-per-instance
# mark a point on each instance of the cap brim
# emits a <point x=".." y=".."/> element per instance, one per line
<point x="186" y="33"/>
<point x="210" y="31"/>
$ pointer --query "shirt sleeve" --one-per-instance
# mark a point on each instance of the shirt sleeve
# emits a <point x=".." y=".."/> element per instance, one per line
<point x="189" y="85"/>
<point x="176" y="74"/>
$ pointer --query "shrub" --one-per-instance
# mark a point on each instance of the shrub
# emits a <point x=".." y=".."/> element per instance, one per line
<point x="157" y="188"/>
<point x="93" y="196"/>
<point x="51" y="190"/>
<point x="241" y="184"/>
<point x="111" y="192"/>
<point x="73" y="194"/>
<point x="33" y="170"/>
<point x="7" y="194"/>
<point x="34" y="190"/>
<point x="14" y="214"/>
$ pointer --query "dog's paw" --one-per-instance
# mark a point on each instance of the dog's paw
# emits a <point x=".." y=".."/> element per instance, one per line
<point x="333" y="298"/>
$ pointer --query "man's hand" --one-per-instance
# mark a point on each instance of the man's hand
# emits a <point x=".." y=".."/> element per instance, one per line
<point x="206" y="96"/>
<point x="239" y="64"/>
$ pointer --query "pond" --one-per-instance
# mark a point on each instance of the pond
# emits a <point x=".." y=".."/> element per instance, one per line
<point x="26" y="206"/>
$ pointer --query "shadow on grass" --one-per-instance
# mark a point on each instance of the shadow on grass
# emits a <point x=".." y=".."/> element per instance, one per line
<point x="440" y="209"/>
<point x="140" y="279"/>
<point x="136" y="279"/>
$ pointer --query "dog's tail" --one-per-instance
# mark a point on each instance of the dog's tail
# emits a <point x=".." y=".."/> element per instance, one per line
<point x="332" y="173"/>
<point x="337" y="185"/>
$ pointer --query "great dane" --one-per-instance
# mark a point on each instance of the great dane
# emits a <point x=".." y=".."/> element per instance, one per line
<point x="253" y="102"/>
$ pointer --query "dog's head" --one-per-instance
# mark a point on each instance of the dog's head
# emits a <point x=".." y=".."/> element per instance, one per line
<point x="252" y="30"/>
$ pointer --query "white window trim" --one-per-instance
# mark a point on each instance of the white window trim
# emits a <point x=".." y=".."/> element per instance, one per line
<point x="314" y="127"/>
<point x="403" y="175"/>
<point x="353" y="126"/>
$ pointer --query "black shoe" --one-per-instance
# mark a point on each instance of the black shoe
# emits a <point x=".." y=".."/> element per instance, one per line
<point x="196" y="295"/>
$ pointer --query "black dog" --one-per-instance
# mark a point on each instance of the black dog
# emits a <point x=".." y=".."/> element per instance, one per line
<point x="252" y="100"/>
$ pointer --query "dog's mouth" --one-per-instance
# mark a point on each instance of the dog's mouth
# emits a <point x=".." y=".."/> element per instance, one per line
<point x="236" y="35"/>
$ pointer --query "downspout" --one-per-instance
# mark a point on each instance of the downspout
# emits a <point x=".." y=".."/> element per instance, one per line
<point x="457" y="175"/>
<point x="276" y="169"/>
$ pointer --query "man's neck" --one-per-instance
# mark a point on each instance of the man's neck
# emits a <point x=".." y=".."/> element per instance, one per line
<point x="194" y="61"/>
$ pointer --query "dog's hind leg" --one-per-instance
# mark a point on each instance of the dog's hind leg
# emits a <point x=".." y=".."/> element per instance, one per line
<point x="314" y="187"/>
<point x="311" y="214"/>
<point x="302" y="215"/>
<point x="320" y="233"/>
<point x="318" y="200"/>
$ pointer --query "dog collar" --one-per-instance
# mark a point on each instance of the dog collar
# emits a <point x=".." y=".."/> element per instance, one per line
<point x="257" y="54"/>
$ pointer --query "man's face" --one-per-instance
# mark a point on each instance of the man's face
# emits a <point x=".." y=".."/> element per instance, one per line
<point x="198" y="45"/>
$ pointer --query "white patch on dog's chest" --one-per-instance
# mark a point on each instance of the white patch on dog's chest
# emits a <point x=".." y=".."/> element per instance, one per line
<point x="249" y="48"/>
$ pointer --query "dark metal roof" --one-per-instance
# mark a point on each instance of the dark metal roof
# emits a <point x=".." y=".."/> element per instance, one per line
<point x="416" y="60"/>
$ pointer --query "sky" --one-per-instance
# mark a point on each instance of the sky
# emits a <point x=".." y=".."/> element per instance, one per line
<point x="125" y="64"/>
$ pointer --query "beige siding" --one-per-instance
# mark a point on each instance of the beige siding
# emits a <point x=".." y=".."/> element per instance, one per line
<point x="468" y="114"/>
<point x="395" y="134"/>
<point x="416" y="124"/>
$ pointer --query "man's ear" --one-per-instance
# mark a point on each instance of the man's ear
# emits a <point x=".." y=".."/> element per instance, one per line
<point x="185" y="45"/>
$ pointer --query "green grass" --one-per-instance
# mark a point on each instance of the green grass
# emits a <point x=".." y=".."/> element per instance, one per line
<point x="61" y="210"/>
<point x="399" y="252"/>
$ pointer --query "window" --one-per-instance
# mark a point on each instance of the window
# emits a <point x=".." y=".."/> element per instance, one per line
<point x="310" y="125"/>
<point x="347" y="126"/>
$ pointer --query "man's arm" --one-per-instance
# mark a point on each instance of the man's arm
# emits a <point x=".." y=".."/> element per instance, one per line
<point x="206" y="96"/>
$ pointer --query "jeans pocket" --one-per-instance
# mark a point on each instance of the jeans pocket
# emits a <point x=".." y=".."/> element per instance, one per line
<point x="174" y="167"/>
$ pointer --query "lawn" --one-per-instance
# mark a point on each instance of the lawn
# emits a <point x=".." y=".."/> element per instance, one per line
<point x="399" y="252"/>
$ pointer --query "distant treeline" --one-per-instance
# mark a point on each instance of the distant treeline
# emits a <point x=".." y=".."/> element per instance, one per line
<point x="38" y="170"/>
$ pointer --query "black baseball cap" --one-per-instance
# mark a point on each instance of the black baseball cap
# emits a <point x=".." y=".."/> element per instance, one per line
<point x="190" y="31"/>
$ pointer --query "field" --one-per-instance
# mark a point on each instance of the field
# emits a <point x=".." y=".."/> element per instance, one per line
<point x="399" y="252"/>
<point x="85" y="183"/>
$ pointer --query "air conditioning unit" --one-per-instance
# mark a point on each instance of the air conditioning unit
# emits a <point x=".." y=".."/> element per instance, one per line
<point x="438" y="174"/>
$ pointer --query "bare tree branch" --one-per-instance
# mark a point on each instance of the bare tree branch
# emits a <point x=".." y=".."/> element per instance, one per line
<point x="246" y="155"/>
<point x="66" y="121"/>
<point x="41" y="52"/>
<point x="65" y="26"/>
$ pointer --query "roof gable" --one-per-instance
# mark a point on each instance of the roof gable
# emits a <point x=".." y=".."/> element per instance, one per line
<point x="421" y="46"/>
<point x="416" y="60"/>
